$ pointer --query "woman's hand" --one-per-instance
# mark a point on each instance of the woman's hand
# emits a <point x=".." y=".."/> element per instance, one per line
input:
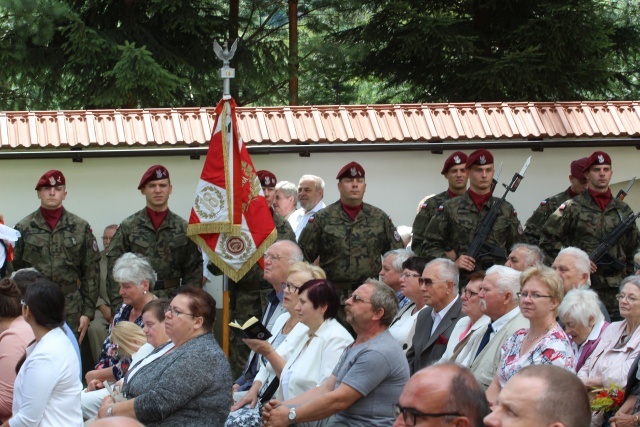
<point x="622" y="420"/>
<point x="95" y="385"/>
<point x="251" y="398"/>
<point x="106" y="402"/>
<point x="258" y="346"/>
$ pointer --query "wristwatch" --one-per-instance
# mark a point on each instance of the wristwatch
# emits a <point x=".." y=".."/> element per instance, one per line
<point x="110" y="411"/>
<point x="635" y="419"/>
<point x="292" y="416"/>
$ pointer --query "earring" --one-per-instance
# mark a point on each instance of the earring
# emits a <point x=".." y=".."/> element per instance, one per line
<point x="144" y="293"/>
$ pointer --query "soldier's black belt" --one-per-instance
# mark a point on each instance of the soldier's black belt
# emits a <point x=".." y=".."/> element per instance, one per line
<point x="166" y="284"/>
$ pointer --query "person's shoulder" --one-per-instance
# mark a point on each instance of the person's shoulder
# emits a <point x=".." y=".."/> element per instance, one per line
<point x="374" y="211"/>
<point x="133" y="218"/>
<point x="75" y="219"/>
<point x="26" y="221"/>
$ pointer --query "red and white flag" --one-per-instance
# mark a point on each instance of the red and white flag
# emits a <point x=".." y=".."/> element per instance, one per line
<point x="230" y="218"/>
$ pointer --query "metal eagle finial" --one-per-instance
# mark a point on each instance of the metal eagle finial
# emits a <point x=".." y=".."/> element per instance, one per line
<point x="226" y="72"/>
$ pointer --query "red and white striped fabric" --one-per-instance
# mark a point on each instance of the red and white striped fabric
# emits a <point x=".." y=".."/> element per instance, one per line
<point x="230" y="218"/>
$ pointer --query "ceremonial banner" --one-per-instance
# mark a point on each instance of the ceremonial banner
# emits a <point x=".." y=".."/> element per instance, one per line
<point x="230" y="218"/>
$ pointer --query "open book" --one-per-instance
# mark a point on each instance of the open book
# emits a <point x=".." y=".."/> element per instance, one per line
<point x="253" y="328"/>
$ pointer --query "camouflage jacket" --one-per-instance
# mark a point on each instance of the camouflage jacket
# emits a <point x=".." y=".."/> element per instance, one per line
<point x="170" y="252"/>
<point x="285" y="232"/>
<point x="68" y="256"/>
<point x="533" y="227"/>
<point x="427" y="212"/>
<point x="349" y="250"/>
<point x="457" y="221"/>
<point x="579" y="222"/>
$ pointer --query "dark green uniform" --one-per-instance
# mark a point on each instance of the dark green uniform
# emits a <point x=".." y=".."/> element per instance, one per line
<point x="175" y="258"/>
<point x="533" y="227"/>
<point x="427" y="211"/>
<point x="349" y="250"/>
<point x="580" y="223"/>
<point x="68" y="256"/>
<point x="456" y="223"/>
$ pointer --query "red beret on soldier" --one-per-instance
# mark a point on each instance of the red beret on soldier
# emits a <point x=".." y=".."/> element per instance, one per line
<point x="154" y="173"/>
<point x="351" y="170"/>
<point x="597" y="158"/>
<point x="456" y="158"/>
<point x="480" y="157"/>
<point x="577" y="168"/>
<point x="52" y="178"/>
<point x="267" y="179"/>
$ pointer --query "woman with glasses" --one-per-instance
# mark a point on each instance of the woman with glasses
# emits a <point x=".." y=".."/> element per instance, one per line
<point x="190" y="384"/>
<point x="136" y="278"/>
<point x="287" y="333"/>
<point x="15" y="336"/>
<point x="544" y="342"/>
<point x="403" y="325"/>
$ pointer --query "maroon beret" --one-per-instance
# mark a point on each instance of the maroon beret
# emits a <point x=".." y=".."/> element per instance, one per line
<point x="53" y="178"/>
<point x="267" y="179"/>
<point x="351" y="170"/>
<point x="597" y="158"/>
<point x="456" y="158"/>
<point x="480" y="157"/>
<point x="154" y="173"/>
<point x="577" y="168"/>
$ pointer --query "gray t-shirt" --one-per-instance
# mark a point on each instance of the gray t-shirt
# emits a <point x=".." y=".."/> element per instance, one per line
<point x="379" y="371"/>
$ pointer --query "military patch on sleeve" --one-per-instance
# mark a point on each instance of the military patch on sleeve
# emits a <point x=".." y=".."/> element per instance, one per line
<point x="542" y="203"/>
<point x="95" y="245"/>
<point x="562" y="206"/>
<point x="424" y="206"/>
<point x="515" y="212"/>
<point x="396" y="235"/>
<point x="310" y="219"/>
<point x="440" y="208"/>
<point x="520" y="230"/>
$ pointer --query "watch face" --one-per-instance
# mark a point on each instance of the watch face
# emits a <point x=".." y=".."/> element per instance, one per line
<point x="292" y="414"/>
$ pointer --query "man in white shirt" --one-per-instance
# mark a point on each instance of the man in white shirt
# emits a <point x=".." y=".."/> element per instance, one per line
<point x="286" y="200"/>
<point x="310" y="194"/>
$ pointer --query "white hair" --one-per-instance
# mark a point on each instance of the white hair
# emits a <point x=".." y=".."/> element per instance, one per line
<point x="579" y="305"/>
<point x="581" y="261"/>
<point x="508" y="279"/>
<point x="448" y="270"/>
<point x="319" y="181"/>
<point x="401" y="255"/>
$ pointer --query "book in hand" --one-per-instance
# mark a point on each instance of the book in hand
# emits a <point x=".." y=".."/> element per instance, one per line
<point x="253" y="328"/>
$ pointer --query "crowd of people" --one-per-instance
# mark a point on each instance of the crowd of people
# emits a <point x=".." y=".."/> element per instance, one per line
<point x="369" y="324"/>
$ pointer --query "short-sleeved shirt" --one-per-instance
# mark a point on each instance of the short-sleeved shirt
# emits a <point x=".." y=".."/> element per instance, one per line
<point x="378" y="370"/>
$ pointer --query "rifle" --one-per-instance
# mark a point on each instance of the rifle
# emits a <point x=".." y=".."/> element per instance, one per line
<point x="601" y="255"/>
<point x="479" y="247"/>
<point x="623" y="192"/>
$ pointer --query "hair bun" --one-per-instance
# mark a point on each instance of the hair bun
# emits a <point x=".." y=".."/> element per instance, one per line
<point x="9" y="288"/>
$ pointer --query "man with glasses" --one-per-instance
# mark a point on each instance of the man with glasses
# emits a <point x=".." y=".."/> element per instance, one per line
<point x="439" y="285"/>
<point x="498" y="301"/>
<point x="367" y="380"/>
<point x="578" y="185"/>
<point x="444" y="394"/>
<point x="586" y="220"/>
<point x="392" y="270"/>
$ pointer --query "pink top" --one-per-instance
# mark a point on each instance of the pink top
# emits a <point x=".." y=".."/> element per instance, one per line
<point x="13" y="343"/>
<point x="553" y="349"/>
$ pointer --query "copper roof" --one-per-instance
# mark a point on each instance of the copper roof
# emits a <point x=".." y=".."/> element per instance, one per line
<point x="333" y="124"/>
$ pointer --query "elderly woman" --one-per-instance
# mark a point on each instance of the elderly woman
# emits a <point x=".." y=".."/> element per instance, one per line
<point x="136" y="278"/>
<point x="583" y="322"/>
<point x="15" y="336"/>
<point x="276" y="350"/>
<point x="403" y="325"/>
<point x="189" y="385"/>
<point x="544" y="342"/>
<point x="47" y="388"/>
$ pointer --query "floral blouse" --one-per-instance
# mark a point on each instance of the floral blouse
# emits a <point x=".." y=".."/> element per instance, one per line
<point x="109" y="357"/>
<point x="553" y="349"/>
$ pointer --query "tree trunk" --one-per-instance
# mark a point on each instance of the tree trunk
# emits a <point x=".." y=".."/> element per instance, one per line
<point x="293" y="52"/>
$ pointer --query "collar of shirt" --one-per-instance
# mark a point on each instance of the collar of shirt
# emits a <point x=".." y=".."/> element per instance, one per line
<point x="437" y="317"/>
<point x="593" y="335"/>
<point x="498" y="324"/>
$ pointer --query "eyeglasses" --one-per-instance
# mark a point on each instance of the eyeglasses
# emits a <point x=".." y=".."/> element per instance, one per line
<point x="425" y="281"/>
<point x="410" y="414"/>
<point x="534" y="296"/>
<point x="467" y="293"/>
<point x="358" y="298"/>
<point x="274" y="257"/>
<point x="290" y="287"/>
<point x="407" y="275"/>
<point x="628" y="297"/>
<point x="175" y="312"/>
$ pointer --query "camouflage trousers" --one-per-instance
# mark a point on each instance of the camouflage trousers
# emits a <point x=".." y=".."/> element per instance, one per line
<point x="244" y="303"/>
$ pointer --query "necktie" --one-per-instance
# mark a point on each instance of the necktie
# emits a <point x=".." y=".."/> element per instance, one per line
<point x="485" y="339"/>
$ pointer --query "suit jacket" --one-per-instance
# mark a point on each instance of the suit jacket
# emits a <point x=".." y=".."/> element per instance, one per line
<point x="632" y="378"/>
<point x="427" y="348"/>
<point x="484" y="366"/>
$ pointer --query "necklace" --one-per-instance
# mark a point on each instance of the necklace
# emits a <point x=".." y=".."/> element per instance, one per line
<point x="530" y="340"/>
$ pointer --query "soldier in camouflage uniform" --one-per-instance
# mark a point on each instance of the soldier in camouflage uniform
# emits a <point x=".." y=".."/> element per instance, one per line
<point x="349" y="236"/>
<point x="160" y="235"/>
<point x="586" y="220"/>
<point x="455" y="224"/>
<point x="456" y="173"/>
<point x="62" y="247"/>
<point x="533" y="227"/>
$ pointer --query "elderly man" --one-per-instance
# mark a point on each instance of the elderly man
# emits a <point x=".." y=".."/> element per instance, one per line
<point x="498" y="301"/>
<point x="457" y="175"/>
<point x="572" y="264"/>
<point x="523" y="256"/>
<point x="392" y="270"/>
<point x="586" y="220"/>
<point x="541" y="395"/>
<point x="367" y="380"/>
<point x="533" y="227"/>
<point x="277" y="260"/>
<point x="286" y="200"/>
<point x="310" y="193"/>
<point x="439" y="285"/>
<point x="445" y="390"/>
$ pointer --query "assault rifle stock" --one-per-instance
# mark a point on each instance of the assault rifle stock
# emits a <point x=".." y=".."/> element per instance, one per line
<point x="600" y="256"/>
